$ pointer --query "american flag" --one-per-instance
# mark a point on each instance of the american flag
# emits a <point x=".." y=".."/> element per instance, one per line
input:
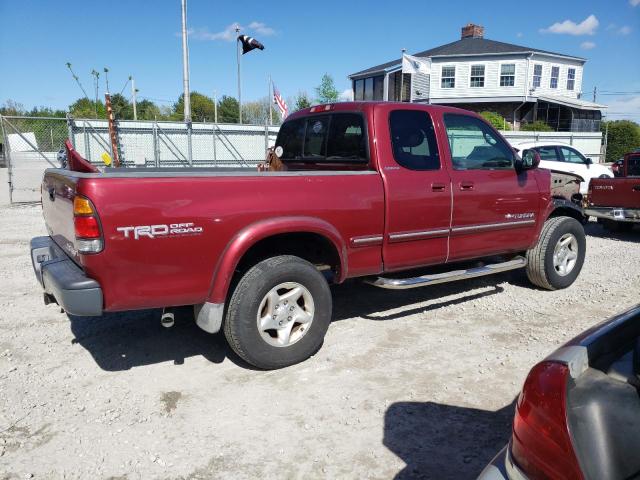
<point x="279" y="101"/>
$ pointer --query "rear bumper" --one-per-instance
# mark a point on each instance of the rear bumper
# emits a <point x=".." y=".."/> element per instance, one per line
<point x="62" y="279"/>
<point x="616" y="214"/>
<point x="502" y="468"/>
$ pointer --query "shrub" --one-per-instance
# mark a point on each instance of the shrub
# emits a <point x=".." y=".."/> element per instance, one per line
<point x="537" y="126"/>
<point x="496" y="120"/>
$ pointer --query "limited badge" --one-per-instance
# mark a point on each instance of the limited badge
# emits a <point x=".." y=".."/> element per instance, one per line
<point x="317" y="127"/>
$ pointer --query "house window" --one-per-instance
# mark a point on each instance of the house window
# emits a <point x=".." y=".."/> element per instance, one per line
<point x="555" y="73"/>
<point x="368" y="88"/>
<point x="537" y="75"/>
<point x="477" y="75"/>
<point x="448" y="77"/>
<point x="571" y="78"/>
<point x="358" y="90"/>
<point x="507" y="74"/>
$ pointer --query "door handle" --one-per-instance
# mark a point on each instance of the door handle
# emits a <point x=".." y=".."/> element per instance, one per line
<point x="466" y="185"/>
<point x="438" y="187"/>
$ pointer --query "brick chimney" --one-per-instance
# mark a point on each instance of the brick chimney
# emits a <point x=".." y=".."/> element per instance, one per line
<point x="472" y="30"/>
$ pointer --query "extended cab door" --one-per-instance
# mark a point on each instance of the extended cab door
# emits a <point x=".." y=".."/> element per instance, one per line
<point x="495" y="209"/>
<point x="417" y="188"/>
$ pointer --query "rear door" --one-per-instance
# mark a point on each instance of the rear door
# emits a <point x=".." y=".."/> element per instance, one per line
<point x="494" y="208"/>
<point x="417" y="188"/>
<point x="575" y="162"/>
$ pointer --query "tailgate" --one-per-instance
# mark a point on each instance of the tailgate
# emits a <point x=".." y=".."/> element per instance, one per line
<point x="615" y="192"/>
<point x="58" y="191"/>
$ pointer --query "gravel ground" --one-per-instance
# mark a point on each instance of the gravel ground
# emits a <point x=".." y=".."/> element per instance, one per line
<point x="408" y="384"/>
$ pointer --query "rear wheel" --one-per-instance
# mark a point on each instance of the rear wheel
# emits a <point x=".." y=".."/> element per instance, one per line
<point x="556" y="260"/>
<point x="279" y="312"/>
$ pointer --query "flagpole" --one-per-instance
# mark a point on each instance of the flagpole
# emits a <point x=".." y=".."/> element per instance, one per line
<point x="270" y="102"/>
<point x="239" y="83"/>
<point x="402" y="74"/>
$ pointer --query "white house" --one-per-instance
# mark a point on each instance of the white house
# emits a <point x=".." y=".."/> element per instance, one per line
<point x="522" y="84"/>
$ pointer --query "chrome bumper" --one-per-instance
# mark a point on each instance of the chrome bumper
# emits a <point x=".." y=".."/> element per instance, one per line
<point x="615" y="214"/>
<point x="63" y="280"/>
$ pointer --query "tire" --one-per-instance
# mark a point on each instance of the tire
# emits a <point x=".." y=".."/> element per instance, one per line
<point x="613" y="226"/>
<point x="542" y="269"/>
<point x="262" y="295"/>
<point x="604" y="176"/>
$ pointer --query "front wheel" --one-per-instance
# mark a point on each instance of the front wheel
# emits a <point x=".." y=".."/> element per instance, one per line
<point x="279" y="312"/>
<point x="556" y="260"/>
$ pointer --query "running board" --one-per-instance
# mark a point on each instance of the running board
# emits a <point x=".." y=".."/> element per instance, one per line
<point x="424" y="280"/>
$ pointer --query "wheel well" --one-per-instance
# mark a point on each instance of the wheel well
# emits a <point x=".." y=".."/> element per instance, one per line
<point x="568" y="212"/>
<point x="313" y="247"/>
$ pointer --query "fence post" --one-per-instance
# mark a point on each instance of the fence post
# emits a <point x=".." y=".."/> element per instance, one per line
<point x="215" y="154"/>
<point x="156" y="155"/>
<point x="266" y="138"/>
<point x="189" y="146"/>
<point x="87" y="150"/>
<point x="7" y="156"/>
<point x="70" y="130"/>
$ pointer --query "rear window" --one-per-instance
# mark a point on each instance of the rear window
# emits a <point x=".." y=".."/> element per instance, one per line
<point x="338" y="137"/>
<point x="633" y="166"/>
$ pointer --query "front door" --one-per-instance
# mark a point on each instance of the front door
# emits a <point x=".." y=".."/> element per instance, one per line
<point x="417" y="188"/>
<point x="494" y="208"/>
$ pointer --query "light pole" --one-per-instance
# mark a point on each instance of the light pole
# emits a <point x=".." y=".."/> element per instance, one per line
<point x="185" y="65"/>
<point x="239" y="81"/>
<point x="133" y="97"/>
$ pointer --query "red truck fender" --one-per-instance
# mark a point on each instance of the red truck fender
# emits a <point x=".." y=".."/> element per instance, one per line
<point x="263" y="229"/>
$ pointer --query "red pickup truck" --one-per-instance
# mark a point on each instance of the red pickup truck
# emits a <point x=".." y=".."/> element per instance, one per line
<point x="369" y="190"/>
<point x="615" y="202"/>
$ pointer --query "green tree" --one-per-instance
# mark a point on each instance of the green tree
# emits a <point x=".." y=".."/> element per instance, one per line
<point x="122" y="109"/>
<point x="301" y="101"/>
<point x="537" y="126"/>
<point x="12" y="108"/>
<point x="147" y="110"/>
<point x="496" y="120"/>
<point x="228" y="111"/>
<point x="202" y="107"/>
<point x="85" y="108"/>
<point x="623" y="136"/>
<point x="326" y="92"/>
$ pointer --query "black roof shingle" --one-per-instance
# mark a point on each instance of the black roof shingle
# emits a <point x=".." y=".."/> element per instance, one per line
<point x="466" y="46"/>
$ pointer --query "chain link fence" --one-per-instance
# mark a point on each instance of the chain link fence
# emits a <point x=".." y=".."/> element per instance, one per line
<point x="31" y="145"/>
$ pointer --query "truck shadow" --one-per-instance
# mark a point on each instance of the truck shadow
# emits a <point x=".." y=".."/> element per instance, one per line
<point x="356" y="299"/>
<point x="592" y="229"/>
<point x="121" y="341"/>
<point x="444" y="441"/>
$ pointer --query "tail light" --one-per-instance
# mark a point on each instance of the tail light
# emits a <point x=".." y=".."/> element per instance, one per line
<point x="86" y="225"/>
<point x="541" y="444"/>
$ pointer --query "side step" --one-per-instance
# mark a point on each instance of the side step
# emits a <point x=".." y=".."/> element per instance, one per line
<point x="424" y="280"/>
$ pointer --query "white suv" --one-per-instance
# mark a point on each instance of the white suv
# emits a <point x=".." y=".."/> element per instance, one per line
<point x="565" y="158"/>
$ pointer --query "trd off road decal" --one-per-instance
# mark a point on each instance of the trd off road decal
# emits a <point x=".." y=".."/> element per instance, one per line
<point x="160" y="231"/>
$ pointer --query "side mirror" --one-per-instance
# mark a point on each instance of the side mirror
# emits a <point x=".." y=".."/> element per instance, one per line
<point x="588" y="161"/>
<point x="530" y="159"/>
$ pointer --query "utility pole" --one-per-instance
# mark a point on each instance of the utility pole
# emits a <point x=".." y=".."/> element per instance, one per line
<point x="215" y="107"/>
<point x="97" y="77"/>
<point x="133" y="97"/>
<point x="595" y="91"/>
<point x="239" y="82"/>
<point x="185" y="65"/>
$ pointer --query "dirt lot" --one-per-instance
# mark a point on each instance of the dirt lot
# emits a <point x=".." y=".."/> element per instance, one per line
<point x="413" y="384"/>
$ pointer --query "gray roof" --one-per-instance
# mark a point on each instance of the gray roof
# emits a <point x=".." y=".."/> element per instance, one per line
<point x="466" y="46"/>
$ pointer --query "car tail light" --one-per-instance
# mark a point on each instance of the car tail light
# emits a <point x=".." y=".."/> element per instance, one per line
<point x="541" y="444"/>
<point x="86" y="225"/>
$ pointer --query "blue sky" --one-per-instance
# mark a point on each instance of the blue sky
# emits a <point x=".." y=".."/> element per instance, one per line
<point x="303" y="40"/>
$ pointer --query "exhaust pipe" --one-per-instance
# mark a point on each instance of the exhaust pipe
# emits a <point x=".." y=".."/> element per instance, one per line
<point x="167" y="319"/>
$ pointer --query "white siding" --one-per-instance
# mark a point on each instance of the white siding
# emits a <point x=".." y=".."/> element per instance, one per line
<point x="523" y="81"/>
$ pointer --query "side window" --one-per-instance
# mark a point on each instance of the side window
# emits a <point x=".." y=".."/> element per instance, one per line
<point x="413" y="140"/>
<point x="549" y="153"/>
<point x="290" y="139"/>
<point x="347" y="139"/>
<point x="315" y="136"/>
<point x="475" y="146"/>
<point x="571" y="156"/>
